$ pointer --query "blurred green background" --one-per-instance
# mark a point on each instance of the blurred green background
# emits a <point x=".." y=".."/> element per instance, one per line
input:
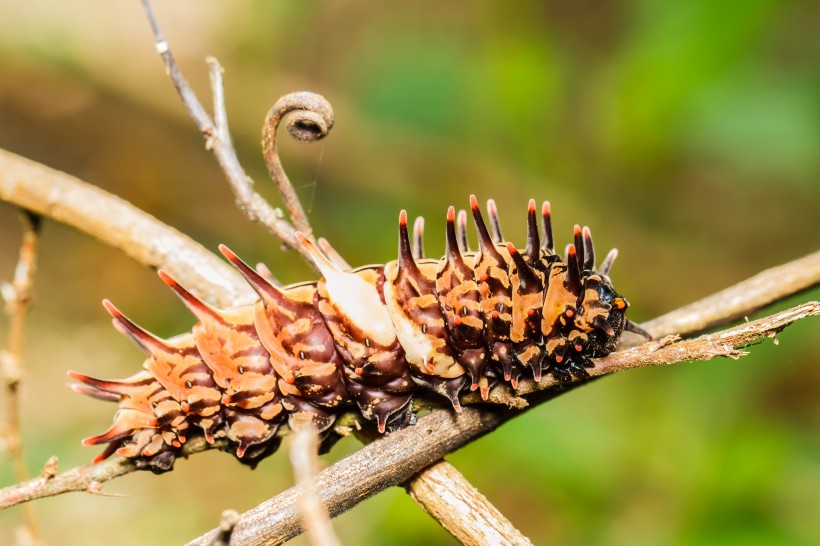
<point x="687" y="133"/>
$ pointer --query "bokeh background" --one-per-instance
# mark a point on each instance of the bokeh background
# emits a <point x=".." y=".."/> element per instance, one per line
<point x="687" y="133"/>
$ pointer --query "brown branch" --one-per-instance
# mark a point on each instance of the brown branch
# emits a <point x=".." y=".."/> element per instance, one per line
<point x="460" y="508"/>
<point x="314" y="120"/>
<point x="117" y="223"/>
<point x="17" y="296"/>
<point x="735" y="302"/>
<point x="394" y="459"/>
<point x="87" y="478"/>
<point x="304" y="446"/>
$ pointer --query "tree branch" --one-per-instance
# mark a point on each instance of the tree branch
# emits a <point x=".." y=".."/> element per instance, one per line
<point x="87" y="478"/>
<point x="117" y="223"/>
<point x="460" y="508"/>
<point x="735" y="302"/>
<point x="394" y="459"/>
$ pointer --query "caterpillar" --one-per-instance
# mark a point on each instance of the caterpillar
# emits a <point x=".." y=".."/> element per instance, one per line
<point x="369" y="338"/>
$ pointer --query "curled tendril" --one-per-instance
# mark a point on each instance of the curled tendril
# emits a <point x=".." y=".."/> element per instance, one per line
<point x="309" y="118"/>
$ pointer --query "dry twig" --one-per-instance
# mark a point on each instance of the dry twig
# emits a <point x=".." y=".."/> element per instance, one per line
<point x="84" y="478"/>
<point x="227" y="522"/>
<point x="462" y="510"/>
<point x="304" y="446"/>
<point x="735" y="302"/>
<point x="68" y="200"/>
<point x="17" y="297"/>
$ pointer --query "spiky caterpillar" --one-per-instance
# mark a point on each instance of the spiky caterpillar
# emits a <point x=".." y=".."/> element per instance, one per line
<point x="370" y="337"/>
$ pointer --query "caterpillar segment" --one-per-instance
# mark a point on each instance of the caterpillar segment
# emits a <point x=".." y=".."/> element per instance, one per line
<point x="492" y="272"/>
<point x="146" y="427"/>
<point x="177" y="366"/>
<point x="460" y="304"/>
<point x="412" y="302"/>
<point x="376" y="371"/>
<point x="240" y="366"/>
<point x="370" y="338"/>
<point x="301" y="348"/>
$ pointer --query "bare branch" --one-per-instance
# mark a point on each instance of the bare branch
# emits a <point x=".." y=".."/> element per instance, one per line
<point x="304" y="446"/>
<point x="17" y="296"/>
<point x="117" y="223"/>
<point x="84" y="478"/>
<point x="394" y="459"/>
<point x="446" y="495"/>
<point x="735" y="302"/>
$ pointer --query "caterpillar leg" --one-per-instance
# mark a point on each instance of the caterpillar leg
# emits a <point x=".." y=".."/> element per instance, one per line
<point x="448" y="388"/>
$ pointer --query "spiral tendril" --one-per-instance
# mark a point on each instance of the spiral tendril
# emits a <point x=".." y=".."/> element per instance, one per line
<point x="309" y="118"/>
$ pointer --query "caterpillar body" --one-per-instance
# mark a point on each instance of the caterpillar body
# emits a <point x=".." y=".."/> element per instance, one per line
<point x="370" y="338"/>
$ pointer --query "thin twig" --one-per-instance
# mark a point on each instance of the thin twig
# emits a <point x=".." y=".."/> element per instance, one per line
<point x="17" y="296"/>
<point x="86" y="477"/>
<point x="395" y="458"/>
<point x="460" y="508"/>
<point x="304" y="446"/>
<point x="308" y="125"/>
<point x="735" y="302"/>
<point x="227" y="522"/>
